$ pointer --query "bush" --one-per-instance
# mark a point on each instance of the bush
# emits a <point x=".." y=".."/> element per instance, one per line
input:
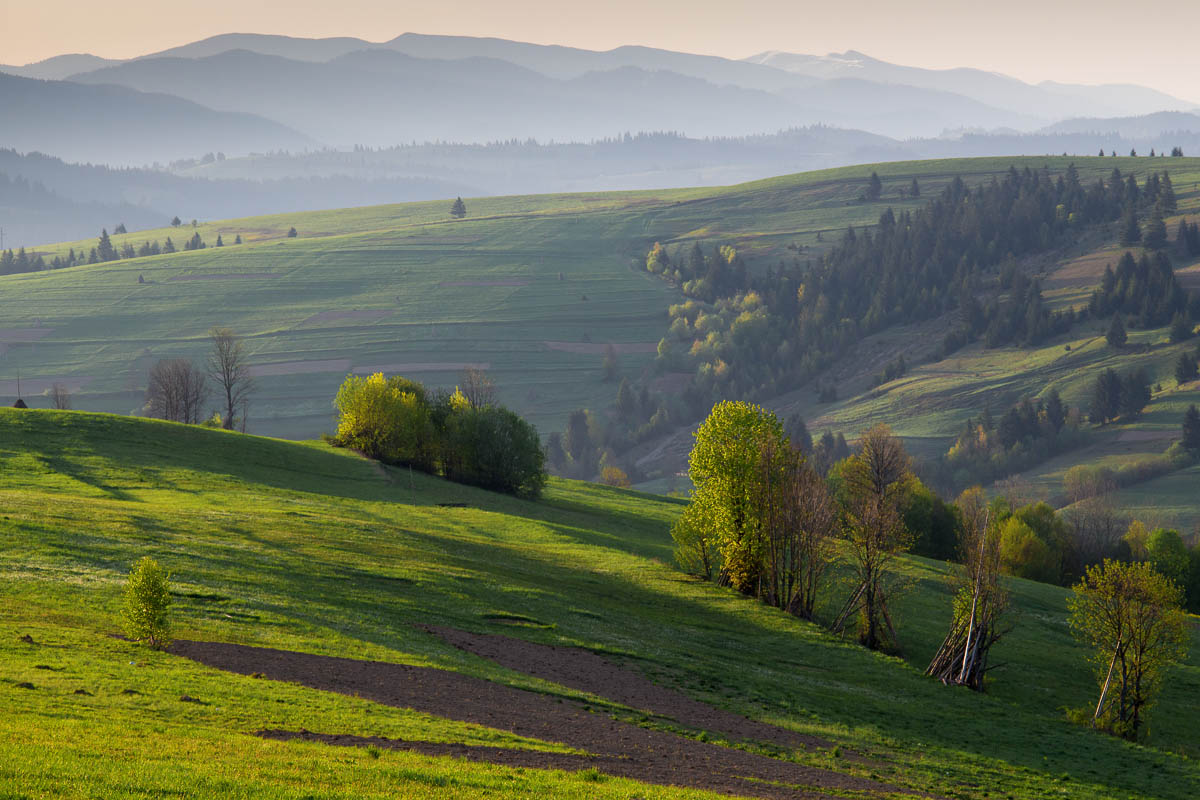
<point x="615" y="476"/>
<point x="147" y="600"/>
<point x="386" y="419"/>
<point x="493" y="448"/>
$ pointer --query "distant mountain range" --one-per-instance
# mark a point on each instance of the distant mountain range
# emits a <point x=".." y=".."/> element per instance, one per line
<point x="293" y="124"/>
<point x="344" y="91"/>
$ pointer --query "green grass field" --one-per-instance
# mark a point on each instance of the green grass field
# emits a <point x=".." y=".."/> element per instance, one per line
<point x="299" y="546"/>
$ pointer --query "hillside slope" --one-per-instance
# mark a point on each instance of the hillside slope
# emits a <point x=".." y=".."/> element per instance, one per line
<point x="301" y="548"/>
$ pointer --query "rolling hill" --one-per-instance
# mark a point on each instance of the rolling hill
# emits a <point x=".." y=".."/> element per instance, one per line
<point x="535" y="288"/>
<point x="320" y="555"/>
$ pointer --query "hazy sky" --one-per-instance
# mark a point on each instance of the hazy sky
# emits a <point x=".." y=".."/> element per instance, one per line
<point x="1097" y="41"/>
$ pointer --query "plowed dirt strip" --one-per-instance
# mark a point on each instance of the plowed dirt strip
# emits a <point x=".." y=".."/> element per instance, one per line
<point x="617" y="748"/>
<point x="588" y="672"/>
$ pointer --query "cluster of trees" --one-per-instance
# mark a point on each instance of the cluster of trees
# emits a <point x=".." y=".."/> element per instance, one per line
<point x="1145" y="289"/>
<point x="747" y="333"/>
<point x="764" y="521"/>
<point x="464" y="436"/>
<point x="1028" y="433"/>
<point x="1119" y="397"/>
<point x="104" y="251"/>
<point x="178" y="389"/>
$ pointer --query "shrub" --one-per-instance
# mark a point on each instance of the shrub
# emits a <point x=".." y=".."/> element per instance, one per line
<point x="386" y="418"/>
<point x="147" y="600"/>
<point x="614" y="476"/>
<point x="493" y="448"/>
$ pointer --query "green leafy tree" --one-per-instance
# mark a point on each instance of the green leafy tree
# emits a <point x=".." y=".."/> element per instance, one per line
<point x="725" y="468"/>
<point x="1168" y="554"/>
<point x="147" y="603"/>
<point x="1130" y="615"/>
<point x="493" y="448"/>
<point x="387" y="419"/>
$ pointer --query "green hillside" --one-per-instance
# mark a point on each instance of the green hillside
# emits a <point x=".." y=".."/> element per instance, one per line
<point x="533" y="287"/>
<point x="300" y="547"/>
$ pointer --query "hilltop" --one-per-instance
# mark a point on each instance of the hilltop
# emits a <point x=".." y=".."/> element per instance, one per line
<point x="298" y="547"/>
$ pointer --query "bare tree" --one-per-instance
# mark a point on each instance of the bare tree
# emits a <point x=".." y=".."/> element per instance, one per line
<point x="875" y="533"/>
<point x="176" y="391"/>
<point x="979" y="600"/>
<point x="798" y="520"/>
<point x="59" y="396"/>
<point x="229" y="368"/>
<point x="479" y="389"/>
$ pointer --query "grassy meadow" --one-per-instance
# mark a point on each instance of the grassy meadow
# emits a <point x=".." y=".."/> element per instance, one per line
<point x="299" y="546"/>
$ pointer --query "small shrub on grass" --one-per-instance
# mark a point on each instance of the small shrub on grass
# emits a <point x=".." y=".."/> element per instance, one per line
<point x="147" y="600"/>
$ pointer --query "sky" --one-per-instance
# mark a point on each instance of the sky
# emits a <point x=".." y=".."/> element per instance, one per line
<point x="1099" y="41"/>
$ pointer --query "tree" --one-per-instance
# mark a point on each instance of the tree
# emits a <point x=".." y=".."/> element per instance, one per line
<point x="979" y="601"/>
<point x="1130" y="615"/>
<point x="874" y="188"/>
<point x="1135" y="393"/>
<point x="914" y="189"/>
<point x="726" y="470"/>
<point x="1155" y="235"/>
<point x="1056" y="410"/>
<point x="1181" y="327"/>
<point x="479" y="388"/>
<point x="1116" y="335"/>
<point x="493" y="448"/>
<point x="1023" y="553"/>
<point x="229" y="368"/>
<point x="292" y="233"/>
<point x="147" y="603"/>
<point x="104" y="249"/>
<point x="220" y="241"/>
<point x="1106" y="397"/>
<point x="797" y="432"/>
<point x="874" y="482"/>
<point x="1191" y="429"/>
<point x="1186" y="369"/>
<point x="1131" y="232"/>
<point x="612" y="366"/>
<point x="797" y="520"/>
<point x="556" y="456"/>
<point x="60" y="396"/>
<point x="458" y="209"/>
<point x="176" y="391"/>
<point x="578" y="439"/>
<point x="615" y="476"/>
<point x="176" y="222"/>
<point x="388" y="419"/>
<point x="1167" y="553"/>
<point x="237" y="239"/>
<point x="627" y="402"/>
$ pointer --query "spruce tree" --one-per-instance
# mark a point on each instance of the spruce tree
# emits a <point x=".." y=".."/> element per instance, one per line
<point x="1181" y="328"/>
<point x="1191" y="429"/>
<point x="1116" y="335"/>
<point x="458" y="209"/>
<point x="874" y="188"/>
<point x="915" y="189"/>
<point x="1186" y="369"/>
<point x="1131" y="232"/>
<point x="1155" y="237"/>
<point x="1166" y="195"/>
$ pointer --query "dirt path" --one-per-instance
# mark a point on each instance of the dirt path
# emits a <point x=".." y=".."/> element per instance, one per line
<point x="614" y="747"/>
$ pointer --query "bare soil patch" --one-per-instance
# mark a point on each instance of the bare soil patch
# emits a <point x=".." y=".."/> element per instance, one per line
<point x="498" y="282"/>
<point x="1189" y="277"/>
<point x="331" y="316"/>
<point x="614" y="747"/>
<point x="592" y="348"/>
<point x="1083" y="272"/>
<point x="14" y="335"/>
<point x="588" y="672"/>
<point x="433" y="366"/>
<point x="220" y="276"/>
<point x="300" y="367"/>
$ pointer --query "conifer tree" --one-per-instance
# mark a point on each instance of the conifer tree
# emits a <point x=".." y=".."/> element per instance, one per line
<point x="1116" y="335"/>
<point x="1155" y="237"/>
<point x="1131" y="232"/>
<point x="1191" y="429"/>
<point x="1166" y="195"/>
<point x="1186" y="369"/>
<point x="874" y="188"/>
<point x="458" y="209"/>
<point x="914" y="189"/>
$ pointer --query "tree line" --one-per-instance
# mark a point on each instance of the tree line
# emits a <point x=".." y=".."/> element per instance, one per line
<point x="103" y="251"/>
